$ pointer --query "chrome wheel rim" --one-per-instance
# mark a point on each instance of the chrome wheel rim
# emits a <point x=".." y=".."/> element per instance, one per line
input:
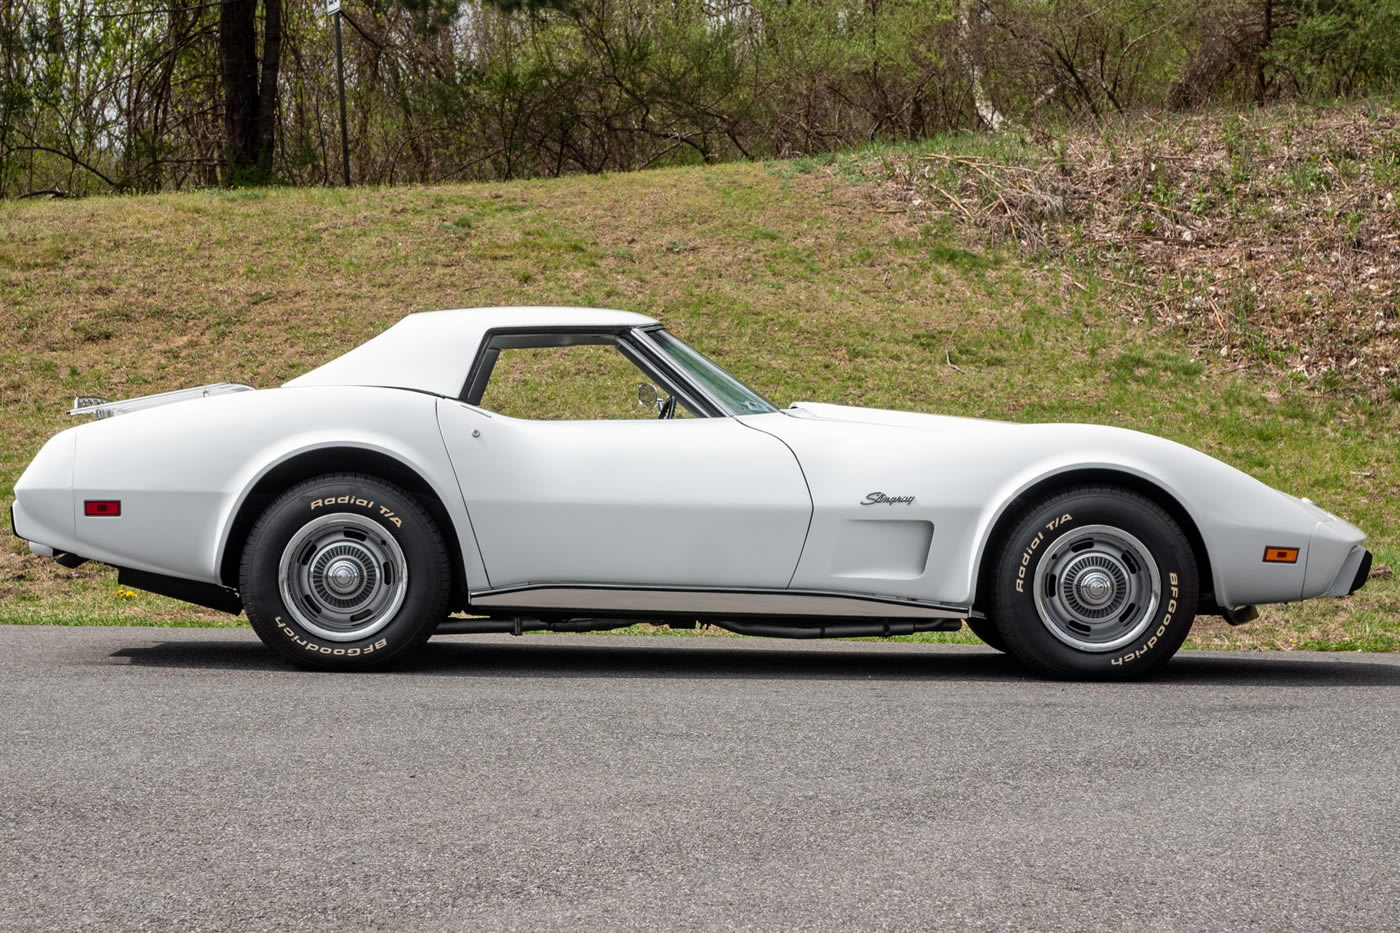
<point x="1097" y="588"/>
<point x="342" y="577"/>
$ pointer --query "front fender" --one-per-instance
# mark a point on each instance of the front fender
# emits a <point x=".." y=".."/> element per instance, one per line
<point x="961" y="476"/>
<point x="1237" y="516"/>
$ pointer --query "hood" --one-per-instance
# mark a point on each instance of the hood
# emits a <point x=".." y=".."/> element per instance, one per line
<point x="1095" y="445"/>
<point x="1164" y="462"/>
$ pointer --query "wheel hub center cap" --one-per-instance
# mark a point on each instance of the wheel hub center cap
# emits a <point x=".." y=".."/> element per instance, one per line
<point x="344" y="576"/>
<point x="1094" y="588"/>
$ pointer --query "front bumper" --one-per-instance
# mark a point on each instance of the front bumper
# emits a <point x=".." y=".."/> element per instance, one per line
<point x="1356" y="569"/>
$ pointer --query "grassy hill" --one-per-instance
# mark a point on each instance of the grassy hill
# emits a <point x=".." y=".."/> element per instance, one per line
<point x="848" y="278"/>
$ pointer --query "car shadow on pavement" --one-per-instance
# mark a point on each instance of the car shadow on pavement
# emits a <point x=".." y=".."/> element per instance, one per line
<point x="534" y="658"/>
<point x="668" y="659"/>
<point x="547" y="657"/>
<point x="1247" y="668"/>
<point x="222" y="655"/>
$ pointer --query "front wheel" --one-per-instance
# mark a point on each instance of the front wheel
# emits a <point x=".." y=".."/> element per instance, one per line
<point x="1095" y="582"/>
<point x="345" y="572"/>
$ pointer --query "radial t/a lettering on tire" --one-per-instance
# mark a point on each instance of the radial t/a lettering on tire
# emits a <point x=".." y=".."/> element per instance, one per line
<point x="1095" y="582"/>
<point x="345" y="572"/>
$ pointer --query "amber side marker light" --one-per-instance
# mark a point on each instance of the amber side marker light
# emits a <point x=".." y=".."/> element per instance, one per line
<point x="1280" y="555"/>
<point x="96" y="507"/>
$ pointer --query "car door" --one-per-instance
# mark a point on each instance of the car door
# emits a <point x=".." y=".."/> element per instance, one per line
<point x="704" y="502"/>
<point x="593" y="489"/>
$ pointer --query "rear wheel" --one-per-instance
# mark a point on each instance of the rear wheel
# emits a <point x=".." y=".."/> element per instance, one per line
<point x="345" y="572"/>
<point x="1095" y="582"/>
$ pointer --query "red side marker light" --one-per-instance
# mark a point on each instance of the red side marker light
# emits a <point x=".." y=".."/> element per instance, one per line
<point x="1280" y="555"/>
<point x="96" y="507"/>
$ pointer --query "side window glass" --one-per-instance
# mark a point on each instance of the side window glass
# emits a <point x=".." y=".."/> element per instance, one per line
<point x="578" y="382"/>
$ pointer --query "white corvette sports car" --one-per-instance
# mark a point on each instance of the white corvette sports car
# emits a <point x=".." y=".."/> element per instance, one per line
<point x="350" y="511"/>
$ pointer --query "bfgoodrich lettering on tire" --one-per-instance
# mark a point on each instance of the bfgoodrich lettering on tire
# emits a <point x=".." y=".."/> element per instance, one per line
<point x="1095" y="582"/>
<point x="344" y="572"/>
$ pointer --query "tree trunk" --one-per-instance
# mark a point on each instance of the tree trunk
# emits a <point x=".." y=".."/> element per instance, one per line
<point x="986" y="110"/>
<point x="267" y="90"/>
<point x="238" y="60"/>
<point x="1268" y="40"/>
<point x="250" y="99"/>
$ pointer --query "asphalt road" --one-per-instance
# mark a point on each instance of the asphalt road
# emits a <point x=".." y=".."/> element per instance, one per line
<point x="185" y="780"/>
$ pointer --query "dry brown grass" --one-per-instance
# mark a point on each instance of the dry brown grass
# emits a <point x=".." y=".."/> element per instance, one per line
<point x="1265" y="237"/>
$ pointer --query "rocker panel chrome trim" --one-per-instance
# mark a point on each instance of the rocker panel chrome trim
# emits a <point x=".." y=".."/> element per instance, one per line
<point x="703" y="601"/>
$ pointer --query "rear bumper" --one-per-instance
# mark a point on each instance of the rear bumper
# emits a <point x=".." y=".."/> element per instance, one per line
<point x="18" y="516"/>
<point x="1356" y="569"/>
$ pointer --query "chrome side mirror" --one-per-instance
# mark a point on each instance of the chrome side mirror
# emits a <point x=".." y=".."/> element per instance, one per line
<point x="647" y="396"/>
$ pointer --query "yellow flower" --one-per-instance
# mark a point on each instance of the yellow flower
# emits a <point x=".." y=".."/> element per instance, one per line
<point x="125" y="593"/>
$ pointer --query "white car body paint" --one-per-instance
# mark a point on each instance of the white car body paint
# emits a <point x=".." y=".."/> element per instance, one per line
<point x="182" y="471"/>
<point x="704" y="508"/>
<point x="647" y="502"/>
<point x="963" y="473"/>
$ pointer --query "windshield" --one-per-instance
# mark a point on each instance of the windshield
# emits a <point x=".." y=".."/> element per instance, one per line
<point x="730" y="392"/>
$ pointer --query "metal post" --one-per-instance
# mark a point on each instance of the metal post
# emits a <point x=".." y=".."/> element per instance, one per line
<point x="344" y="128"/>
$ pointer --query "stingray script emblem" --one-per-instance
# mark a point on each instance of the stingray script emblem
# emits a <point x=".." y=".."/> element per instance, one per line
<point x="879" y="498"/>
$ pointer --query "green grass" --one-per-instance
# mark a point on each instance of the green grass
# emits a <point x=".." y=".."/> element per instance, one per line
<point x="794" y="275"/>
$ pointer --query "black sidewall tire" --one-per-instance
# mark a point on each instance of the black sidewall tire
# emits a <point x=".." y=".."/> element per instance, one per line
<point x="1018" y="622"/>
<point x="401" y="517"/>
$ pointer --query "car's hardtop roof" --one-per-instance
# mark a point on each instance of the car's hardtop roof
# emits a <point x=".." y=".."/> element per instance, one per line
<point x="432" y="350"/>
